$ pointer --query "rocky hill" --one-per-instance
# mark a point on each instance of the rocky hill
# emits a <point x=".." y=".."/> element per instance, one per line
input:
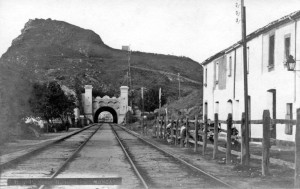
<point x="55" y="50"/>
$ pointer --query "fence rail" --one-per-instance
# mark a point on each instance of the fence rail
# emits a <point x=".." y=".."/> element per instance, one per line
<point x="200" y="128"/>
<point x="273" y="121"/>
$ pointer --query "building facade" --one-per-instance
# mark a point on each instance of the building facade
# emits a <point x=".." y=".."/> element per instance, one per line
<point x="270" y="85"/>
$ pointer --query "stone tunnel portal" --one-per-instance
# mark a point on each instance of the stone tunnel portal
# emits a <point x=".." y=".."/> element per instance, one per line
<point x="107" y="109"/>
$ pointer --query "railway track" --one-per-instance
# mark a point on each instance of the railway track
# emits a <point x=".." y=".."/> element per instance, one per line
<point x="109" y="151"/>
<point x="89" y="155"/>
<point x="158" y="168"/>
<point x="47" y="162"/>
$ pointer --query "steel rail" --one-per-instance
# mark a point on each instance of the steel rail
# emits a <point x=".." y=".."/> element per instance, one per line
<point x="129" y="158"/>
<point x="19" y="159"/>
<point x="179" y="159"/>
<point x="71" y="157"/>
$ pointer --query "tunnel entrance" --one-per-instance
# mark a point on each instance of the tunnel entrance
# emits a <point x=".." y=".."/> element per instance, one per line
<point x="106" y="109"/>
<point x="105" y="117"/>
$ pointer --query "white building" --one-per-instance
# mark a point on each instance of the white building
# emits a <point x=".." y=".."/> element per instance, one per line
<point x="270" y="85"/>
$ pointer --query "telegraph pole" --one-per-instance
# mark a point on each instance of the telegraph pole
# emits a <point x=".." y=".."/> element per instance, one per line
<point x="178" y="76"/>
<point x="159" y="102"/>
<point x="129" y="74"/>
<point x="142" y="91"/>
<point x="127" y="78"/>
<point x="245" y="152"/>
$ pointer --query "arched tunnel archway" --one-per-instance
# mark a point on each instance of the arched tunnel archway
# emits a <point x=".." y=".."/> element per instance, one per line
<point x="107" y="109"/>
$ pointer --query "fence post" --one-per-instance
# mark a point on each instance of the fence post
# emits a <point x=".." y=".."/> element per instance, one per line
<point x="245" y="159"/>
<point x="196" y="134"/>
<point x="176" y="132"/>
<point x="215" y="151"/>
<point x="297" y="152"/>
<point x="157" y="127"/>
<point x="187" y="133"/>
<point x="145" y="124"/>
<point x="243" y="138"/>
<point x="228" y="145"/>
<point x="165" y="127"/>
<point x="172" y="130"/>
<point x="204" y="137"/>
<point x="266" y="143"/>
<point x="161" y="127"/>
<point x="181" y="138"/>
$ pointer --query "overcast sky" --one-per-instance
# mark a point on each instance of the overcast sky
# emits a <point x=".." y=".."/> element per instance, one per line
<point x="193" y="28"/>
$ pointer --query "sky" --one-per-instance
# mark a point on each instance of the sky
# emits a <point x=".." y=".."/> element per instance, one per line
<point x="196" y="29"/>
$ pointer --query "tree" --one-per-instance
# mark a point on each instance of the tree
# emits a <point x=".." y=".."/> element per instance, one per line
<point x="78" y="92"/>
<point x="39" y="101"/>
<point x="50" y="102"/>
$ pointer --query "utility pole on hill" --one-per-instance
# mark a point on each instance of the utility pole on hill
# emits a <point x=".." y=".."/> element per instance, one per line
<point x="142" y="91"/>
<point x="178" y="76"/>
<point x="129" y="74"/>
<point x="159" y="101"/>
<point x="127" y="48"/>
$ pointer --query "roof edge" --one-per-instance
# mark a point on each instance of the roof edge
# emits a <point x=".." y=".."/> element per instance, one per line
<point x="283" y="20"/>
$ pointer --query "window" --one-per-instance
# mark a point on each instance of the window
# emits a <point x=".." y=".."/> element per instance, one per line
<point x="229" y="66"/>
<point x="217" y="72"/>
<point x="289" y="115"/>
<point x="271" y="52"/>
<point x="287" y="46"/>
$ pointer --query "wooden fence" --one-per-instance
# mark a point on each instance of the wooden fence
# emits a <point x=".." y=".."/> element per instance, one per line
<point x="196" y="124"/>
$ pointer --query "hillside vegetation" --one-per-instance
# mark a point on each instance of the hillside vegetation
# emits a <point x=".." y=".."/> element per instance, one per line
<point x="50" y="50"/>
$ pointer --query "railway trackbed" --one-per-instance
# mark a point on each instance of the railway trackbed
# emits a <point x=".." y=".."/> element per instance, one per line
<point x="90" y="159"/>
<point x="48" y="162"/>
<point x="110" y="152"/>
<point x="161" y="169"/>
